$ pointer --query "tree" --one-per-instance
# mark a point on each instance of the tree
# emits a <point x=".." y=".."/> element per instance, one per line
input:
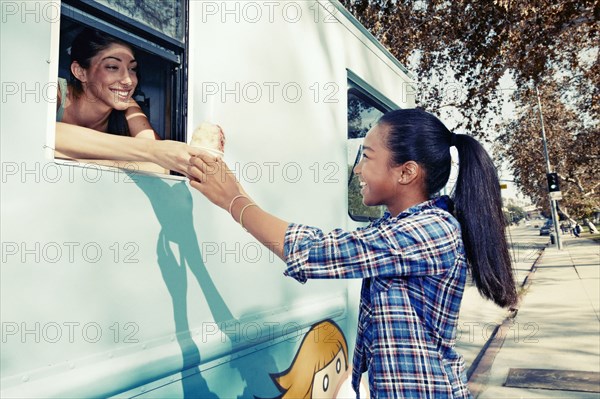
<point x="552" y="45"/>
<point x="573" y="151"/>
<point x="514" y="213"/>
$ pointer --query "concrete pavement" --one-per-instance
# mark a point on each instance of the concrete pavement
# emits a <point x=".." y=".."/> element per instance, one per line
<point x="556" y="327"/>
<point x="479" y="318"/>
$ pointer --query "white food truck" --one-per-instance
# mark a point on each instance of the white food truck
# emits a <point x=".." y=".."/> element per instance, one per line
<point x="118" y="283"/>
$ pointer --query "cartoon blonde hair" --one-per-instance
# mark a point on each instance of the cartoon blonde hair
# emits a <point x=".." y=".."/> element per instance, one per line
<point x="319" y="347"/>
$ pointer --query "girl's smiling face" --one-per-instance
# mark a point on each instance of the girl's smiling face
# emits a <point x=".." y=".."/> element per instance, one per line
<point x="111" y="78"/>
<point x="378" y="186"/>
<point x="326" y="381"/>
<point x="398" y="187"/>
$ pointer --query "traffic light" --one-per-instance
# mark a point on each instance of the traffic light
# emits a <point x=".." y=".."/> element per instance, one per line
<point x="552" y="182"/>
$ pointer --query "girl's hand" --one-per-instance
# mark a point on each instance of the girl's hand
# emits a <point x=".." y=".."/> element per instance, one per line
<point x="172" y="155"/>
<point x="211" y="176"/>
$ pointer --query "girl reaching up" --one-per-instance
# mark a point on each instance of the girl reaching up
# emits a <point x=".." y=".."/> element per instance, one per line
<point x="413" y="261"/>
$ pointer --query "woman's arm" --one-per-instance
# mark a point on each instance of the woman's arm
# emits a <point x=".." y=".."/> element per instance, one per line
<point x="82" y="143"/>
<point x="214" y="179"/>
<point x="129" y="166"/>
<point x="138" y="123"/>
<point x="139" y="127"/>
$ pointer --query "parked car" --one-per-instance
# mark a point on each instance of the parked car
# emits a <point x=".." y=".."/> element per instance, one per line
<point x="545" y="229"/>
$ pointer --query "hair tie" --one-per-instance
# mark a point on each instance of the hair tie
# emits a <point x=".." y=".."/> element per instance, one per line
<point x="453" y="139"/>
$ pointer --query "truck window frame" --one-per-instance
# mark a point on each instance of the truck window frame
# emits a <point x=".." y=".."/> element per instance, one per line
<point x="169" y="53"/>
<point x="359" y="88"/>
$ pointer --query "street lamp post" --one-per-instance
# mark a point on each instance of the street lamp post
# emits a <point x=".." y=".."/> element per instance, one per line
<point x="552" y="201"/>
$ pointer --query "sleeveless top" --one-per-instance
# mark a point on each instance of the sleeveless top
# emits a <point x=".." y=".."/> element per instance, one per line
<point x="62" y="89"/>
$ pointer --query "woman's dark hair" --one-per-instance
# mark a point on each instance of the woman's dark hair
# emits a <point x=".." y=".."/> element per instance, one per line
<point x="86" y="45"/>
<point x="421" y="137"/>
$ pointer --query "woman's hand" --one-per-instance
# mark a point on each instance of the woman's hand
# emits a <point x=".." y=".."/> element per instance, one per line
<point x="211" y="176"/>
<point x="171" y="155"/>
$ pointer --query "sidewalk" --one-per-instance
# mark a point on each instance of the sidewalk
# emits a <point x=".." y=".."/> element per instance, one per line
<point x="479" y="317"/>
<point x="557" y="328"/>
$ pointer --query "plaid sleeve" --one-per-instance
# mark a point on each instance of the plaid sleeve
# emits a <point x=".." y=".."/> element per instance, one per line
<point x="422" y="245"/>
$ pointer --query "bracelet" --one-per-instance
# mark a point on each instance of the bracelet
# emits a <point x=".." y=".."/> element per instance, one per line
<point x="233" y="200"/>
<point x="242" y="213"/>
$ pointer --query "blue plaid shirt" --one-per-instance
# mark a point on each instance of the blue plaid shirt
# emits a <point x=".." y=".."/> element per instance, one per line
<point x="414" y="270"/>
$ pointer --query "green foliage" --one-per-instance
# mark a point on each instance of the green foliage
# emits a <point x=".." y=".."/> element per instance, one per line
<point x="514" y="214"/>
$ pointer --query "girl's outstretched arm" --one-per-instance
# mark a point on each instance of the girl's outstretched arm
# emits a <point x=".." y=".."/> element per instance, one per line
<point x="211" y="176"/>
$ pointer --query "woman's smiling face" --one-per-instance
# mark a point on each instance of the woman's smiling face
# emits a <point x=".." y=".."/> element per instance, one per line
<point x="111" y="78"/>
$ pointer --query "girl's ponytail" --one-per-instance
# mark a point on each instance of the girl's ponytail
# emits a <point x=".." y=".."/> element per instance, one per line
<point x="419" y="136"/>
<point x="478" y="208"/>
